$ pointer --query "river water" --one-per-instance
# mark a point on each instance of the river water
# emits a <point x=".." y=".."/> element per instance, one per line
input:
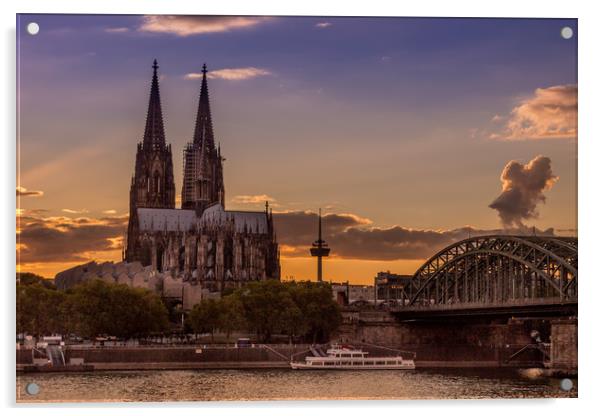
<point x="211" y="385"/>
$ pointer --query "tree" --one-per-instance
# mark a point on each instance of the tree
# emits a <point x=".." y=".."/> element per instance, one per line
<point x="26" y="278"/>
<point x="266" y="305"/>
<point x="205" y="317"/>
<point x="320" y="311"/>
<point x="293" y="321"/>
<point x="231" y="314"/>
<point x="40" y="311"/>
<point x="119" y="310"/>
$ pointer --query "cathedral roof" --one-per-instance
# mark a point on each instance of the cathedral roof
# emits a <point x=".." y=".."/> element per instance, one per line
<point x="249" y="221"/>
<point x="163" y="219"/>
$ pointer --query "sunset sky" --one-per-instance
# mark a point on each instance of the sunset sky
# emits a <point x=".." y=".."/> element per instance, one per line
<point x="408" y="133"/>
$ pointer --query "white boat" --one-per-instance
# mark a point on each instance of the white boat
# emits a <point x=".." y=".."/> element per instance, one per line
<point x="341" y="357"/>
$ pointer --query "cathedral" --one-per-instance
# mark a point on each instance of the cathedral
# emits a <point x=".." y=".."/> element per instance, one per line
<point x="202" y="243"/>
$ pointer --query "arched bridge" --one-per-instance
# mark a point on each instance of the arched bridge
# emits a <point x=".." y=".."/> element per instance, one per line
<point x="496" y="271"/>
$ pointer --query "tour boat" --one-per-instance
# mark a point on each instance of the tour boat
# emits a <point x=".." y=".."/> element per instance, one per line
<point x="342" y="357"/>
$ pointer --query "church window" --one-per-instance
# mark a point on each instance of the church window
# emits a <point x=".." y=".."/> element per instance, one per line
<point x="156" y="183"/>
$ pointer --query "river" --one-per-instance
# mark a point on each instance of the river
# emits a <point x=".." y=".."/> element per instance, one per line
<point x="211" y="385"/>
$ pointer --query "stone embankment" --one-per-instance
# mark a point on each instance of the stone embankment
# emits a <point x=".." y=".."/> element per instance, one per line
<point x="172" y="357"/>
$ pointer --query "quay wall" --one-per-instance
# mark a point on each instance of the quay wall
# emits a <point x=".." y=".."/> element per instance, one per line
<point x="172" y="357"/>
<point x="187" y="354"/>
<point x="456" y="342"/>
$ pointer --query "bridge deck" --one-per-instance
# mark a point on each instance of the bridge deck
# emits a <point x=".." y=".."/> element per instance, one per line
<point x="532" y="307"/>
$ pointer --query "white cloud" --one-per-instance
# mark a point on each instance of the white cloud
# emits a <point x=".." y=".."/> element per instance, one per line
<point x="196" y="25"/>
<point x="110" y="212"/>
<point x="21" y="191"/>
<point x="117" y="29"/>
<point x="323" y="25"/>
<point x="75" y="211"/>
<point x="252" y="199"/>
<point x="231" y="74"/>
<point x="550" y="113"/>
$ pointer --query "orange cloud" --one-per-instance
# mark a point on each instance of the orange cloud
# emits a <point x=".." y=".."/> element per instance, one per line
<point x="62" y="240"/>
<point x="21" y="191"/>
<point x="196" y="25"/>
<point x="252" y="199"/>
<point x="75" y="211"/>
<point x="353" y="237"/>
<point x="551" y="113"/>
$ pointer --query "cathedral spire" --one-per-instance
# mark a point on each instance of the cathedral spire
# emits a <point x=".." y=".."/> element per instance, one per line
<point x="203" y="130"/>
<point x="154" y="133"/>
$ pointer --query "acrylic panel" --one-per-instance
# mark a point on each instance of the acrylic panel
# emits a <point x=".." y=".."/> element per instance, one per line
<point x="218" y="208"/>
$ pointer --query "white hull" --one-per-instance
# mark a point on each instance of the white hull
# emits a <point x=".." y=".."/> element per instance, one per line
<point x="408" y="365"/>
<point x="349" y="358"/>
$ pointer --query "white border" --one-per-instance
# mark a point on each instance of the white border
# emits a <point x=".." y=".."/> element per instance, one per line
<point x="590" y="68"/>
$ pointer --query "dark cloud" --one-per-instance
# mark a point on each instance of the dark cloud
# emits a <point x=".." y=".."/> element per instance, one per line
<point x="63" y="239"/>
<point x="301" y="227"/>
<point x="351" y="237"/>
<point x="522" y="190"/>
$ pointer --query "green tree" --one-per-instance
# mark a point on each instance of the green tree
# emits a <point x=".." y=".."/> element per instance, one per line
<point x="101" y="308"/>
<point x="205" y="317"/>
<point x="320" y="311"/>
<point x="293" y="321"/>
<point x="40" y="311"/>
<point x="231" y="314"/>
<point x="89" y="309"/>
<point x="26" y="278"/>
<point x="269" y="308"/>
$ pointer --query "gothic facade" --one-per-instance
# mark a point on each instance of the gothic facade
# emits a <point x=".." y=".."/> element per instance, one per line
<point x="202" y="243"/>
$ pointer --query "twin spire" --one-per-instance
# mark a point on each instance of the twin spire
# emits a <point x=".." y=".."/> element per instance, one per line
<point x="154" y="132"/>
<point x="203" y="130"/>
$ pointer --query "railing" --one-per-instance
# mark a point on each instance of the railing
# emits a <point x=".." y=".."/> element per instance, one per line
<point x="484" y="305"/>
<point x="412" y="353"/>
<point x="176" y="346"/>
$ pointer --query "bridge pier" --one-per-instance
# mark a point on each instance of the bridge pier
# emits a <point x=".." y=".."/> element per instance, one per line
<point x="563" y="351"/>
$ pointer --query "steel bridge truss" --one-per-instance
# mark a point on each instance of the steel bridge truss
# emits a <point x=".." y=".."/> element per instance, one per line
<point x="498" y="270"/>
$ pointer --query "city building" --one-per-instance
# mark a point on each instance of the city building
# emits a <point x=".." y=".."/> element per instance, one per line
<point x="346" y="294"/>
<point x="390" y="287"/>
<point x="201" y="243"/>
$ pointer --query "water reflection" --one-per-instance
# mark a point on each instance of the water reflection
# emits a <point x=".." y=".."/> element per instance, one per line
<point x="207" y="385"/>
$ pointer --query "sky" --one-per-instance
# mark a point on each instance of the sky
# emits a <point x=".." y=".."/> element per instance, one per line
<point x="409" y="133"/>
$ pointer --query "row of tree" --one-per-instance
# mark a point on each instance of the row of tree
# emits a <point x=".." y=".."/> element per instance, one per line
<point x="89" y="309"/>
<point x="267" y="308"/>
<point x="304" y="310"/>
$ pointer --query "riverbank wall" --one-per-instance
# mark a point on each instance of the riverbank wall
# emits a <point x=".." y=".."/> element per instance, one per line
<point x="473" y="342"/>
<point x="171" y="357"/>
